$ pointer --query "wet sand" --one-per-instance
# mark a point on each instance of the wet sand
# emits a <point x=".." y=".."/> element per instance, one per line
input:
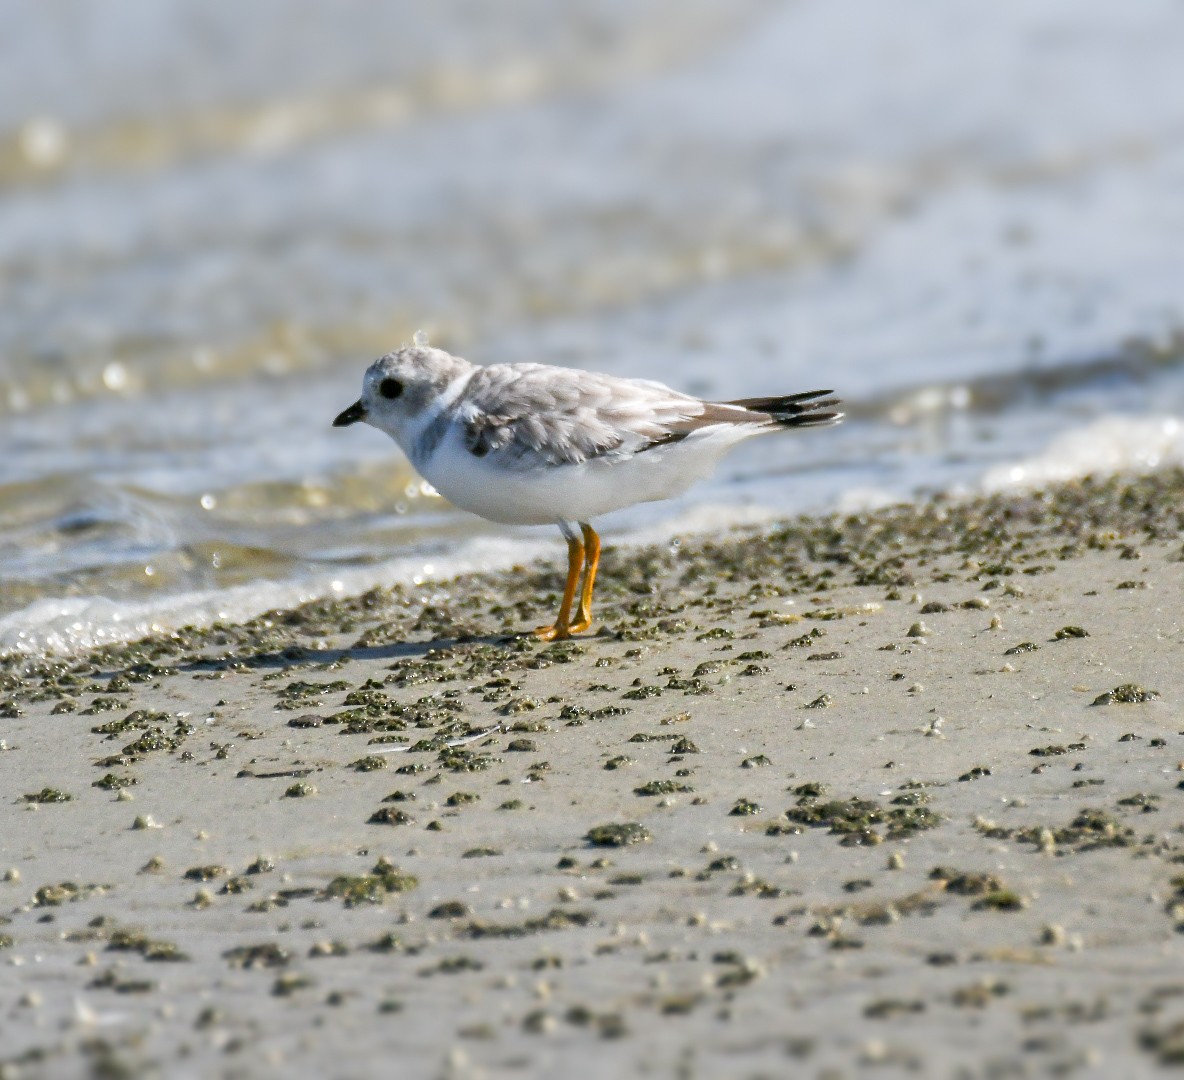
<point x="834" y="794"/>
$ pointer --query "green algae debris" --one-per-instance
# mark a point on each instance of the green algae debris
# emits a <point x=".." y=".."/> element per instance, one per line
<point x="369" y="763"/>
<point x="618" y="835"/>
<point x="555" y="919"/>
<point x="661" y="787"/>
<point x="206" y="873"/>
<point x="1090" y="830"/>
<point x="640" y="693"/>
<point x="149" y="948"/>
<point x="389" y="815"/>
<point x="1056" y="750"/>
<point x="744" y="807"/>
<point x="111" y="782"/>
<point x="1021" y="648"/>
<point x="977" y="773"/>
<point x="47" y="795"/>
<point x="372" y="888"/>
<point x="855" y="819"/>
<point x="965" y="882"/>
<point x="249" y="957"/>
<point x="1001" y="900"/>
<point x="1126" y="694"/>
<point x="54" y="895"/>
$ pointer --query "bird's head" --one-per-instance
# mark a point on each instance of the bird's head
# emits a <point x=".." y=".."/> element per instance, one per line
<point x="399" y="387"/>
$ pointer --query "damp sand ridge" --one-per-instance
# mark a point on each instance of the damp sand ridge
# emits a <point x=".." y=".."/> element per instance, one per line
<point x="897" y="789"/>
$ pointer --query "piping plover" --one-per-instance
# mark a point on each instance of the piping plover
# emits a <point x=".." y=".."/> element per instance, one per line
<point x="528" y="444"/>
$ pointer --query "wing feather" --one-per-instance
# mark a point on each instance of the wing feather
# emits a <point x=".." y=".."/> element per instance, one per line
<point x="531" y="414"/>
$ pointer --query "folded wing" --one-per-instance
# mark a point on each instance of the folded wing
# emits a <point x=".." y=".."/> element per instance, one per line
<point x="528" y="415"/>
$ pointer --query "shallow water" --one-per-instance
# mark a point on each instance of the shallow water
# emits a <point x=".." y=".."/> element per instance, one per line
<point x="966" y="218"/>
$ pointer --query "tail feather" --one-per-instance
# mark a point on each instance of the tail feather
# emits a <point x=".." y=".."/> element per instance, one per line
<point x="795" y="410"/>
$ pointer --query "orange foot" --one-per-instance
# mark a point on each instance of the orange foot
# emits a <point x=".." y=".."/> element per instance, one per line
<point x="585" y="556"/>
<point x="561" y="628"/>
<point x="583" y="618"/>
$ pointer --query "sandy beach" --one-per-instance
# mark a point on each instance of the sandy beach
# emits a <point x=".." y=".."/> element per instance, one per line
<point x="898" y="790"/>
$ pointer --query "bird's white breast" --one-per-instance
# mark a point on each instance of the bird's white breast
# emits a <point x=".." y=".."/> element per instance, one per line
<point x="546" y="494"/>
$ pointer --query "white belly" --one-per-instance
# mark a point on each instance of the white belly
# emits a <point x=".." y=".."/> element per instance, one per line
<point x="549" y="494"/>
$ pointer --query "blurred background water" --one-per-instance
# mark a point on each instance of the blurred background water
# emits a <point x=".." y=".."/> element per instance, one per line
<point x="967" y="218"/>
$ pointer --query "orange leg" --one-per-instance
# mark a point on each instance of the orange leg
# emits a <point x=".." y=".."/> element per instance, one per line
<point x="562" y="627"/>
<point x="591" y="562"/>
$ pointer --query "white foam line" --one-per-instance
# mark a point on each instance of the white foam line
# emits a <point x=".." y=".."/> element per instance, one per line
<point x="1111" y="445"/>
<point x="72" y="625"/>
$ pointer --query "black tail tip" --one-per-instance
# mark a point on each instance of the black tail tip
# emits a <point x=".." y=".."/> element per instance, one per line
<point x="809" y="419"/>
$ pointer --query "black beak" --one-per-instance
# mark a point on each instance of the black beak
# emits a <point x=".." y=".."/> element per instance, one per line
<point x="356" y="412"/>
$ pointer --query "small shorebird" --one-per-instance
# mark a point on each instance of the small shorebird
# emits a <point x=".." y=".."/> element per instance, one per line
<point x="528" y="444"/>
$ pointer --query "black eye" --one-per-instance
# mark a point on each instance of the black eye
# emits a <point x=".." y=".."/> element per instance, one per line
<point x="390" y="388"/>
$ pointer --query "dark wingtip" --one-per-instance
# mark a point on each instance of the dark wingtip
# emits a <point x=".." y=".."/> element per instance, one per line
<point x="788" y="403"/>
<point x="810" y="419"/>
